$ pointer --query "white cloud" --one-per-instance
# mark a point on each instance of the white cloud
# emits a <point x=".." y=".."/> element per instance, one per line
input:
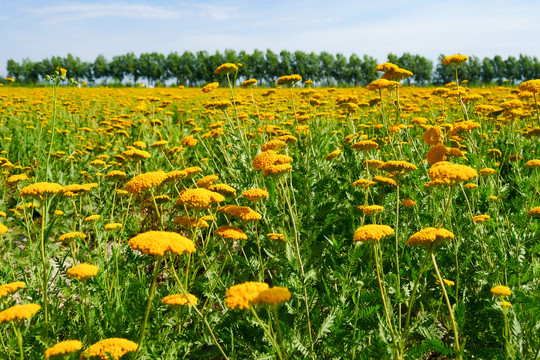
<point x="80" y="11"/>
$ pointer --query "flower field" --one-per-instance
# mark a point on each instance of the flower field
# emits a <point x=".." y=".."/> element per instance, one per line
<point x="295" y="222"/>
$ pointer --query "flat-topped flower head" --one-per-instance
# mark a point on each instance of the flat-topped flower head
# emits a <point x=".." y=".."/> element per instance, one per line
<point x="243" y="212"/>
<point x="19" y="312"/>
<point x="534" y="212"/>
<point x="289" y="80"/>
<point x="231" y="233"/>
<point x="10" y="288"/>
<point x="210" y="87"/>
<point x="272" y="296"/>
<point x="3" y="229"/>
<point x="180" y="299"/>
<point x="430" y="237"/>
<point x="248" y="83"/>
<point x="451" y="174"/>
<point x="83" y="271"/>
<point x="63" y="348"/>
<point x="110" y="349"/>
<point x="501" y="290"/>
<point x="242" y="295"/>
<point x="225" y="69"/>
<point x="199" y="198"/>
<point x="68" y="237"/>
<point x="372" y="233"/>
<point x="276" y="236"/>
<point x="255" y="195"/>
<point x="532" y="86"/>
<point x="365" y="145"/>
<point x="136" y="154"/>
<point x="159" y="242"/>
<point x="454" y="60"/>
<point x="41" y="189"/>
<point x="145" y="181"/>
<point x="397" y="167"/>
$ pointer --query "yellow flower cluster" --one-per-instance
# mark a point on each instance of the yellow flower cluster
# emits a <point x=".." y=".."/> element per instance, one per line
<point x="10" y="288"/>
<point x="92" y="218"/>
<point x="534" y="212"/>
<point x="501" y="290"/>
<point x="381" y="84"/>
<point x="41" y="189"/>
<point x="71" y="235"/>
<point x="397" y="167"/>
<point x="112" y="226"/>
<point x="533" y="163"/>
<point x="83" y="271"/>
<point x="429" y="236"/>
<point x="332" y="155"/>
<point x="159" y="242"/>
<point x="289" y="80"/>
<point x="145" y="181"/>
<point x="199" y="198"/>
<point x="408" y="202"/>
<point x="63" y="348"/>
<point x="531" y="85"/>
<point x="385" y="180"/>
<point x="13" y="179"/>
<point x="110" y="349"/>
<point x="225" y="69"/>
<point x="365" y="145"/>
<point x="454" y="60"/>
<point x="210" y="87"/>
<point x="372" y="233"/>
<point x="248" y="83"/>
<point x="18" y="312"/>
<point x="3" y="229"/>
<point x="240" y="296"/>
<point x="276" y="237"/>
<point x="372" y="209"/>
<point x="273" y="145"/>
<point x="206" y="181"/>
<point x="243" y="212"/>
<point x="433" y="136"/>
<point x="190" y="222"/>
<point x="451" y="174"/>
<point x="223" y="189"/>
<point x="231" y="233"/>
<point x="255" y="194"/>
<point x="136" y="154"/>
<point x="180" y="299"/>
<point x="481" y="218"/>
<point x="363" y="183"/>
<point x="266" y="159"/>
<point x="115" y="174"/>
<point x="272" y="296"/>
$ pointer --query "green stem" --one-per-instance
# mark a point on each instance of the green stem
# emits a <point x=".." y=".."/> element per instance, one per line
<point x="86" y="305"/>
<point x="415" y="287"/>
<point x="278" y="328"/>
<point x="450" y="310"/>
<point x="148" y="306"/>
<point x="45" y="275"/>
<point x="446" y="207"/>
<point x="17" y="332"/>
<point x="267" y="332"/>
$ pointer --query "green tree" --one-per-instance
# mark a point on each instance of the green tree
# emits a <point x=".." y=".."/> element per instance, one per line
<point x="339" y="69"/>
<point x="511" y="69"/>
<point x="488" y="71"/>
<point x="271" y="72"/>
<point x="14" y="70"/>
<point x="368" y="69"/>
<point x="327" y="64"/>
<point x="100" y="68"/>
<point x="355" y="76"/>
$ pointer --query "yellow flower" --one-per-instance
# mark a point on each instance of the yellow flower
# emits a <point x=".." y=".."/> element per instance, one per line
<point x="206" y="181"/>
<point x="372" y="209"/>
<point x="501" y="290"/>
<point x="140" y="144"/>
<point x="176" y="175"/>
<point x="136" y="154"/>
<point x="436" y="154"/>
<point x="71" y="236"/>
<point x="454" y="60"/>
<point x="145" y="181"/>
<point x="199" y="198"/>
<point x="112" y="226"/>
<point x="115" y="174"/>
<point x="13" y="179"/>
<point x="481" y="218"/>
<point x="451" y="173"/>
<point x="210" y="87"/>
<point x="191" y="222"/>
<point x="159" y="242"/>
<point x="487" y="171"/>
<point x="11" y="288"/>
<point x="274" y="295"/>
<point x="433" y="136"/>
<point x="83" y="271"/>
<point x="276" y="170"/>
<point x="159" y="143"/>
<point x="41" y="189"/>
<point x="180" y="299"/>
<point x="505" y="304"/>
<point x="372" y="233"/>
<point x="225" y="69"/>
<point x="255" y="194"/>
<point x="429" y="236"/>
<point x="243" y="212"/>
<point x="534" y="212"/>
<point x="380" y="84"/>
<point x="231" y="233"/>
<point x="397" y="167"/>
<point x="408" y="202"/>
<point x="63" y="348"/>
<point x="92" y="218"/>
<point x="240" y="296"/>
<point x="289" y="80"/>
<point x="19" y="312"/>
<point x="332" y="155"/>
<point x="223" y="189"/>
<point x="248" y="83"/>
<point x="385" y="181"/>
<point x="273" y="145"/>
<point x="3" y="229"/>
<point x="530" y="85"/>
<point x="365" y="145"/>
<point x="276" y="237"/>
<point x="110" y="349"/>
<point x="533" y="163"/>
<point x="363" y="183"/>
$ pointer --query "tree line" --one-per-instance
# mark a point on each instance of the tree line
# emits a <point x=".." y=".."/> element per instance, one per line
<point x="195" y="69"/>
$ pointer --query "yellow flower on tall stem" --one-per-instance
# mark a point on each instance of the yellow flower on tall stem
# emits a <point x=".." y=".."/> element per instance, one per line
<point x="16" y="314"/>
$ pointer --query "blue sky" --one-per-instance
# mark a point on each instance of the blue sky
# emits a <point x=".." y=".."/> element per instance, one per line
<point x="41" y="29"/>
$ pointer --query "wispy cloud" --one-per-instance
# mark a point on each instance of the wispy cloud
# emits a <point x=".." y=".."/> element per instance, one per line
<point x="80" y="11"/>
